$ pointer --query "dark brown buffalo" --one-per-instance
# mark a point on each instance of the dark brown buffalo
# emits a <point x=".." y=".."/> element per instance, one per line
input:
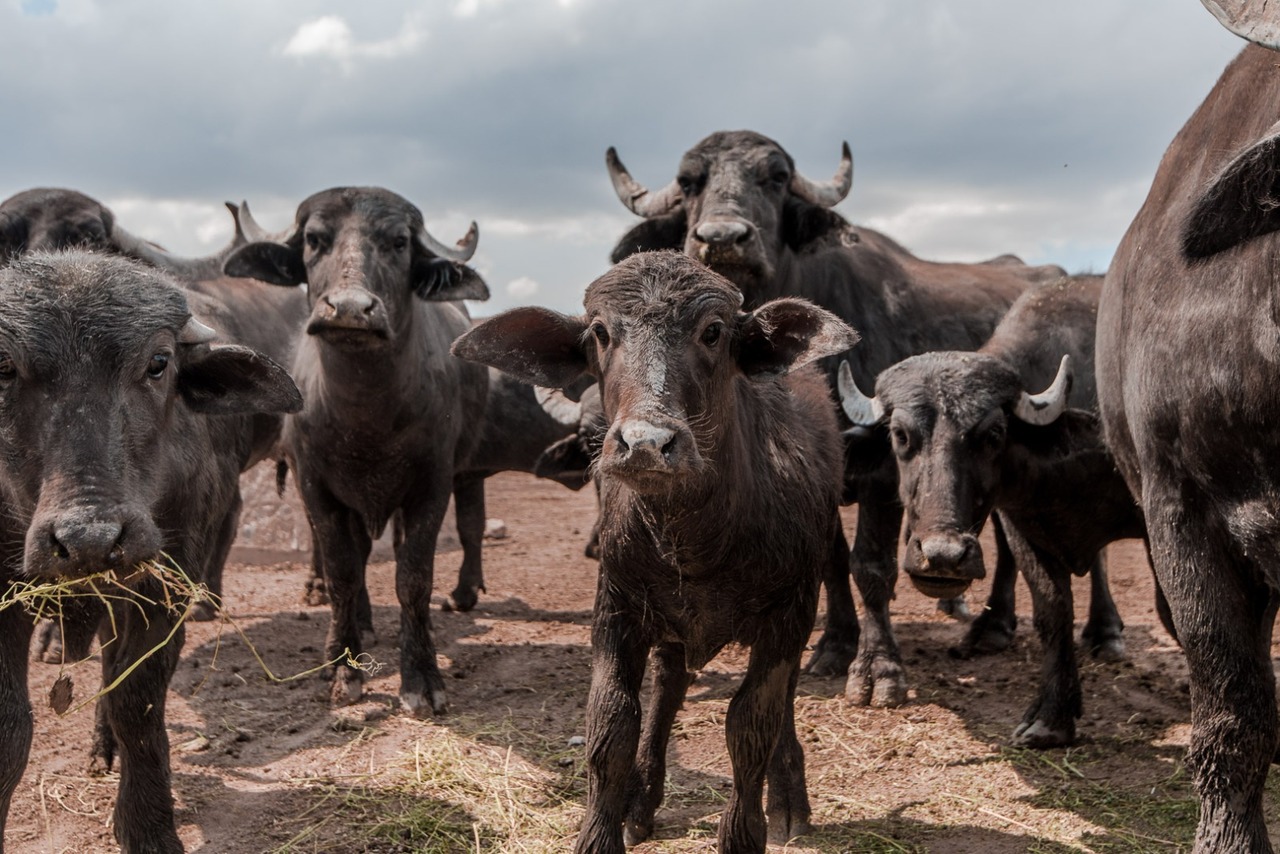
<point x="122" y="437"/>
<point x="391" y="418"/>
<point x="973" y="433"/>
<point x="738" y="205"/>
<point x="720" y="479"/>
<point x="268" y="320"/>
<point x="1188" y="344"/>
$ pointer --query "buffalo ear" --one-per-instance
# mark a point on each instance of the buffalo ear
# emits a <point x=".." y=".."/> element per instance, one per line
<point x="804" y="223"/>
<point x="659" y="232"/>
<point x="267" y="261"/>
<point x="441" y="280"/>
<point x="786" y="333"/>
<point x="534" y="345"/>
<point x="566" y="462"/>
<point x="1241" y="202"/>
<point x="235" y="381"/>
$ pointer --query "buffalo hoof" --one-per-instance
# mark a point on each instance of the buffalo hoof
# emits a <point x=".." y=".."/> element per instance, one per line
<point x="1105" y="645"/>
<point x="634" y="832"/>
<point x="985" y="637"/>
<point x="48" y="643"/>
<point x="956" y="608"/>
<point x="462" y="599"/>
<point x="1039" y="735"/>
<point x="831" y="658"/>
<point x="784" y="827"/>
<point x="347" y="688"/>
<point x="592" y="550"/>
<point x="315" y="592"/>
<point x="203" y="612"/>
<point x="878" y="683"/>
<point x="420" y="706"/>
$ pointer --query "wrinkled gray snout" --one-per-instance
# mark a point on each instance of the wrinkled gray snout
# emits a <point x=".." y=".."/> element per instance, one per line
<point x="723" y="232"/>
<point x="645" y="449"/>
<point x="86" y="540"/>
<point x="353" y="309"/>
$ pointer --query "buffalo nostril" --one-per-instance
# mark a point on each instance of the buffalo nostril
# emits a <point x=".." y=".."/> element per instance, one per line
<point x="669" y="447"/>
<point x="59" y="550"/>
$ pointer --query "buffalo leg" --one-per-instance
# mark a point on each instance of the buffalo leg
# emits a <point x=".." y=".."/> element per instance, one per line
<point x="1103" y="633"/>
<point x="421" y="685"/>
<point x="876" y="677"/>
<point x="468" y="505"/>
<point x="1050" y="721"/>
<point x="753" y="726"/>
<point x="993" y="629"/>
<point x="788" y="808"/>
<point x="1224" y="620"/>
<point x="613" y="726"/>
<point x="15" y="706"/>
<point x="226" y="535"/>
<point x="135" y="711"/>
<point x="671" y="682"/>
<point x="67" y="638"/>
<point x="343" y="545"/>
<point x="838" y="645"/>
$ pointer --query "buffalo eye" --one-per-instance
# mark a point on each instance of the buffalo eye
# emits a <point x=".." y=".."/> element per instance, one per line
<point x="602" y="334"/>
<point x="157" y="366"/>
<point x="779" y="177"/>
<point x="8" y="370"/>
<point x="711" y="334"/>
<point x="903" y="445"/>
<point x="689" y="184"/>
<point x="316" y="241"/>
<point x="400" y="244"/>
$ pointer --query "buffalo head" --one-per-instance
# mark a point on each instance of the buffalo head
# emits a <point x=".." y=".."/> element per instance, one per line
<point x="960" y="425"/>
<point x="668" y="341"/>
<point x="737" y="204"/>
<point x="101" y="365"/>
<point x="365" y="255"/>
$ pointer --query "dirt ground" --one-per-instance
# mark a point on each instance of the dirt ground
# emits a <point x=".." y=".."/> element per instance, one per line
<point x="263" y="766"/>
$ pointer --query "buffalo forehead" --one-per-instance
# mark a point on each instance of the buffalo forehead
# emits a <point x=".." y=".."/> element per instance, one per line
<point x="963" y="387"/>
<point x="86" y="302"/>
<point x="661" y="288"/>
<point x="375" y="207"/>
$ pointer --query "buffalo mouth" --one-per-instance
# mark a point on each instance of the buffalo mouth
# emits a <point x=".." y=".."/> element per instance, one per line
<point x="347" y="335"/>
<point x="940" y="587"/>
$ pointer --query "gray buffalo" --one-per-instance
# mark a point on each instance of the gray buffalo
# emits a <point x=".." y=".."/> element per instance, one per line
<point x="391" y="418"/>
<point x="122" y="437"/>
<point x="1188" y="344"/>
<point x="738" y="205"/>
<point x="991" y="430"/>
<point x="720" y="480"/>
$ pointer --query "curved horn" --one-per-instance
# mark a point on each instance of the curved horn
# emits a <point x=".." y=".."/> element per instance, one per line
<point x="253" y="232"/>
<point x="461" y="253"/>
<point x="556" y="404"/>
<point x="187" y="268"/>
<point x="195" y="332"/>
<point x="863" y="411"/>
<point x="829" y="193"/>
<point x="1045" y="407"/>
<point x="239" y="239"/>
<point x="636" y="196"/>
<point x="1248" y="19"/>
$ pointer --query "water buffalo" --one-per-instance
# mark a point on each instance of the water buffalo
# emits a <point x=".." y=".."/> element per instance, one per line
<point x="152" y="471"/>
<point x="720" y="481"/>
<point x="1190" y="399"/>
<point x="390" y="418"/>
<point x="972" y="433"/>
<point x="739" y="205"/>
<point x="266" y="319"/>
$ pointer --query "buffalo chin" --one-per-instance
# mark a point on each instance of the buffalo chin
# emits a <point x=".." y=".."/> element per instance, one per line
<point x="940" y="588"/>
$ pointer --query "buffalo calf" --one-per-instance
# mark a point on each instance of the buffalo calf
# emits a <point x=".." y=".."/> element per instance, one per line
<point x="391" y="418"/>
<point x="720" y="476"/>
<point x="109" y="458"/>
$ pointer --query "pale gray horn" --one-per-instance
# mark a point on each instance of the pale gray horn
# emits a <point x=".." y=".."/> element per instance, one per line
<point x="185" y="268"/>
<point x="1249" y="19"/>
<point x="1045" y="407"/>
<point x="195" y="332"/>
<point x="556" y="404"/>
<point x="863" y="411"/>
<point x="828" y="193"/>
<point x="253" y="232"/>
<point x="636" y="196"/>
<point x="461" y="253"/>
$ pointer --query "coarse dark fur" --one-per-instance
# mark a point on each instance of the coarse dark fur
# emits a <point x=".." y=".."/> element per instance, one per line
<point x="267" y="320"/>
<point x="720" y="484"/>
<point x="962" y="452"/>
<point x="900" y="304"/>
<point x="390" y="417"/>
<point x="153" y="470"/>
<point x="1190" y="398"/>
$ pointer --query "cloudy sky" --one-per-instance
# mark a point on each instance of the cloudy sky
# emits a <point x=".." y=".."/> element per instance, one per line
<point x="977" y="128"/>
